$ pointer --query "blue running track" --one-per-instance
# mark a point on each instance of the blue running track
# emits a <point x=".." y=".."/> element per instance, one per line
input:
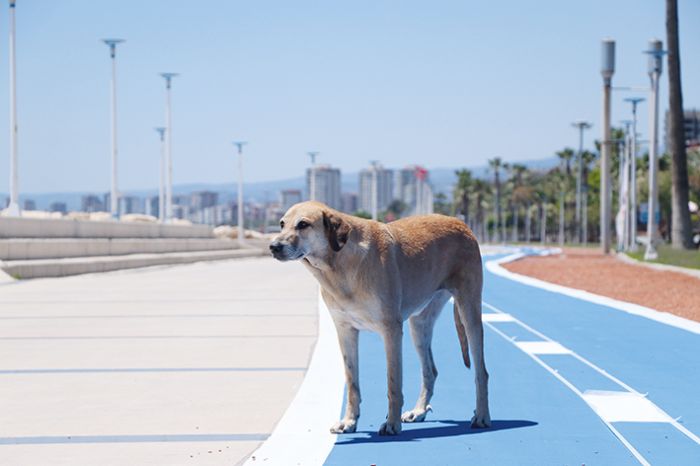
<point x="549" y="357"/>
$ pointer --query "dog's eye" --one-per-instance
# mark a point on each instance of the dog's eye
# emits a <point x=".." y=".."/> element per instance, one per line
<point x="301" y="225"/>
<point x="281" y="223"/>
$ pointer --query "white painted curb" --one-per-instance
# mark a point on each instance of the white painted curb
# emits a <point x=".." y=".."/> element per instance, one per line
<point x="494" y="267"/>
<point x="303" y="434"/>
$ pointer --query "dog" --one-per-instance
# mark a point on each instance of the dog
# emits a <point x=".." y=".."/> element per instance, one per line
<point x="374" y="276"/>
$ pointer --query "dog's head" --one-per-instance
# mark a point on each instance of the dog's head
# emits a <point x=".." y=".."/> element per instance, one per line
<point x="309" y="228"/>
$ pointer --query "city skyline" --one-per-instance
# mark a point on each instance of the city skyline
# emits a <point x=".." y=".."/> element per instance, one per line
<point x="412" y="86"/>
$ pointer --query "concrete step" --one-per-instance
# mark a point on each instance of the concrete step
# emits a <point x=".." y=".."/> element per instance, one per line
<point x="41" y="268"/>
<point x="56" y="248"/>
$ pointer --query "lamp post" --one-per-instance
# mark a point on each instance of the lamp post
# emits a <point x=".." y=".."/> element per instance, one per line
<point x="312" y="176"/>
<point x="582" y="126"/>
<point x="624" y="146"/>
<point x="161" y="185"/>
<point x="241" y="232"/>
<point x="373" y="191"/>
<point x="607" y="70"/>
<point x="13" y="209"/>
<point x="114" y="193"/>
<point x="633" y="175"/>
<point x="168" y="147"/>
<point x="655" y="65"/>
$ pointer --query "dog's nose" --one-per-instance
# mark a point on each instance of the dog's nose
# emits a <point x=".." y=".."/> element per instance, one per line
<point x="276" y="246"/>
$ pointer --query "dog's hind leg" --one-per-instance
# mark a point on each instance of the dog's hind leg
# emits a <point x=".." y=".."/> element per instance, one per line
<point x="468" y="301"/>
<point x="421" y="326"/>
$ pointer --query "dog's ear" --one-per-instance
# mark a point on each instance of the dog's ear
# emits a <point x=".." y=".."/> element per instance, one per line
<point x="336" y="230"/>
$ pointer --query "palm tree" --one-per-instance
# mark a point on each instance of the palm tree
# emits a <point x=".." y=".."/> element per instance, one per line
<point x="587" y="158"/>
<point x="461" y="192"/>
<point x="480" y="190"/>
<point x="681" y="236"/>
<point x="566" y="156"/>
<point x="519" y="195"/>
<point x="496" y="164"/>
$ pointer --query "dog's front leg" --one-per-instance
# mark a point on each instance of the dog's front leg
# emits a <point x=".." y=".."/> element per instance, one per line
<point x="348" y="339"/>
<point x="392" y="344"/>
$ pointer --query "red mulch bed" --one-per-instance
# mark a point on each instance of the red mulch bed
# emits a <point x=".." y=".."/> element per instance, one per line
<point x="593" y="271"/>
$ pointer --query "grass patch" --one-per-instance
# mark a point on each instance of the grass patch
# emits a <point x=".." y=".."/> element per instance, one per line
<point x="671" y="256"/>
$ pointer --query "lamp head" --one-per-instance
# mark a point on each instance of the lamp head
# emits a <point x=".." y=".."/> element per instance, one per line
<point x="607" y="65"/>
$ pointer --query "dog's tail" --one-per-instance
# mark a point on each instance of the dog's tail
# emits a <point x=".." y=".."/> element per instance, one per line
<point x="462" y="334"/>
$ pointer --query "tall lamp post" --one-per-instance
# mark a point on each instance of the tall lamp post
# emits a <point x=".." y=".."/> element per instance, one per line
<point x="312" y="176"/>
<point x="241" y="232"/>
<point x="633" y="174"/>
<point x="114" y="193"/>
<point x="168" y="147"/>
<point x="373" y="191"/>
<point x="582" y="126"/>
<point x="655" y="53"/>
<point x="13" y="208"/>
<point x="607" y="70"/>
<point x="161" y="185"/>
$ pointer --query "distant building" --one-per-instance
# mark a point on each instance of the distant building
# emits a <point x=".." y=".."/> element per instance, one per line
<point x="91" y="203"/>
<point x="691" y="128"/>
<point x="153" y="206"/>
<point x="327" y="183"/>
<point x="130" y="205"/>
<point x="408" y="188"/>
<point x="348" y="203"/>
<point x="202" y="199"/>
<point x="58" y="207"/>
<point x="385" y="186"/>
<point x="289" y="197"/>
<point x="29" y="204"/>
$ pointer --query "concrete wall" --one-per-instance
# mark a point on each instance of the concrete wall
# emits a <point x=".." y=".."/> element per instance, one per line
<point x="64" y="228"/>
<point x="52" y="248"/>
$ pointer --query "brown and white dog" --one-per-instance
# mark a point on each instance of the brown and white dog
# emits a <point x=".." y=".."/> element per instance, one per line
<point x="373" y="276"/>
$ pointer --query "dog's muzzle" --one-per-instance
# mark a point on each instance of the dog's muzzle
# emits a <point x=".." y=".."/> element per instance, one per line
<point x="282" y="251"/>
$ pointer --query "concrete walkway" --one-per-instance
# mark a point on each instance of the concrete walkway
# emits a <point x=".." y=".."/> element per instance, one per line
<point x="191" y="364"/>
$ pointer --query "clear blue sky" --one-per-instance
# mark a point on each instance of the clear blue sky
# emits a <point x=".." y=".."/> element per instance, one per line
<point x="442" y="83"/>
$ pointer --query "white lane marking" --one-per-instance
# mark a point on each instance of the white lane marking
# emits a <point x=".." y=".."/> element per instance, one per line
<point x="542" y="347"/>
<point x="604" y="373"/>
<point x="302" y="436"/>
<point x="495" y="317"/>
<point x="571" y="387"/>
<point x="624" y="407"/>
<point x="494" y="267"/>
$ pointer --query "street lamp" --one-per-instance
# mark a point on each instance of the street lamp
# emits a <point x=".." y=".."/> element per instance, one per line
<point x="168" y="147"/>
<point x="633" y="174"/>
<point x="161" y="185"/>
<point x="241" y="232"/>
<point x="582" y="126"/>
<point x="373" y="190"/>
<point x="607" y="70"/>
<point x="13" y="208"/>
<point x="655" y="53"/>
<point x="624" y="146"/>
<point x="114" y="194"/>
<point x="312" y="175"/>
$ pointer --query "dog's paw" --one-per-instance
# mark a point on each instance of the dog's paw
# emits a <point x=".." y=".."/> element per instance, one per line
<point x="346" y="426"/>
<point x="390" y="428"/>
<point x="415" y="415"/>
<point x="481" y="420"/>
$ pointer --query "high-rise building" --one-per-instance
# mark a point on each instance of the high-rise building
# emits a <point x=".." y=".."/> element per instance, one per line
<point x="203" y="199"/>
<point x="348" y="203"/>
<point x="58" y="207"/>
<point x="130" y="205"/>
<point x="385" y="188"/>
<point x="289" y="197"/>
<point x="91" y="203"/>
<point x="153" y="206"/>
<point x="408" y="188"/>
<point x="327" y="184"/>
<point x="29" y="204"/>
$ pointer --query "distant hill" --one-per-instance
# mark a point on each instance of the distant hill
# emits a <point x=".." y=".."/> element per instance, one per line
<point x="442" y="179"/>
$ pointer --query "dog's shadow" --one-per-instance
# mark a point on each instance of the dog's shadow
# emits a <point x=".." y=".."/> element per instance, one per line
<point x="430" y="429"/>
